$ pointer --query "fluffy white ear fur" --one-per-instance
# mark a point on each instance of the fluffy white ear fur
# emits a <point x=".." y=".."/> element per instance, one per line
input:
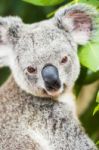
<point x="9" y="27"/>
<point x="79" y="20"/>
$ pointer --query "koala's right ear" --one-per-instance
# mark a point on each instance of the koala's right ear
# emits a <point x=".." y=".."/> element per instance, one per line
<point x="79" y="20"/>
<point x="9" y="34"/>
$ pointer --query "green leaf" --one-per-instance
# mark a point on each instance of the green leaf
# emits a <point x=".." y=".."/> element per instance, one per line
<point x="44" y="2"/>
<point x="89" y="56"/>
<point x="93" y="2"/>
<point x="91" y="77"/>
<point x="70" y="3"/>
<point x="97" y="143"/>
<point x="97" y="99"/>
<point x="96" y="109"/>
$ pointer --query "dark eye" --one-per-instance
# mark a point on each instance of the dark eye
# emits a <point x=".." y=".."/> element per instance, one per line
<point x="31" y="69"/>
<point x="64" y="60"/>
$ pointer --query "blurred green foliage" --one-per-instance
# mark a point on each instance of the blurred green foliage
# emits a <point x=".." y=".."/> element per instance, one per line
<point x="44" y="2"/>
<point x="97" y="107"/>
<point x="32" y="13"/>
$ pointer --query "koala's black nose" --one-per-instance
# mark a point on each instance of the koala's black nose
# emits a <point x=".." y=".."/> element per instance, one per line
<point x="51" y="77"/>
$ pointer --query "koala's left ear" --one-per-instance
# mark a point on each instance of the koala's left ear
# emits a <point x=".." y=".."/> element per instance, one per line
<point x="79" y="20"/>
<point x="10" y="30"/>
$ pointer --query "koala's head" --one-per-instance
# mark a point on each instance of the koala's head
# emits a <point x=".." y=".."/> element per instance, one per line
<point x="43" y="56"/>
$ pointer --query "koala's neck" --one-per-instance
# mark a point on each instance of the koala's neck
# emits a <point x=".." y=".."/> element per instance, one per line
<point x="69" y="99"/>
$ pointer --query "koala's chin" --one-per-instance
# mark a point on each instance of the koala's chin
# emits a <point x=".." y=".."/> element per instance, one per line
<point x="44" y="93"/>
<point x="54" y="94"/>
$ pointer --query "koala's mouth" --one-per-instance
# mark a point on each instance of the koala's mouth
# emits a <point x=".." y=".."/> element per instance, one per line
<point x="54" y="93"/>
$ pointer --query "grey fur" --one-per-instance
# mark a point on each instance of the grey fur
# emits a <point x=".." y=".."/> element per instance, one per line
<point x="42" y="122"/>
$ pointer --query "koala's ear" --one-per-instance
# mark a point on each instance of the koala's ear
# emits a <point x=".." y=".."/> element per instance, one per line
<point x="79" y="20"/>
<point x="9" y="34"/>
<point x="9" y="29"/>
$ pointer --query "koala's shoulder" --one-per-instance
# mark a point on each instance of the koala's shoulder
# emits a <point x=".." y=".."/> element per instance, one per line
<point x="8" y="88"/>
<point x="11" y="99"/>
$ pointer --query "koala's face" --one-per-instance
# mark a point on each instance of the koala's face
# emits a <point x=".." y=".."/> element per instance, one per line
<point x="47" y="60"/>
<point x="43" y="56"/>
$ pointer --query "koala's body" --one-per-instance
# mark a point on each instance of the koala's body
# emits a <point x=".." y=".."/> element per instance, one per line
<point x="37" y="111"/>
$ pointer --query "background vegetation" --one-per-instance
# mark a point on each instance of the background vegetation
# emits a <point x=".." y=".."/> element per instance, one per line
<point x="36" y="10"/>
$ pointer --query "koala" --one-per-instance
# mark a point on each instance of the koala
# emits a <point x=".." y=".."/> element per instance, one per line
<point x="37" y="110"/>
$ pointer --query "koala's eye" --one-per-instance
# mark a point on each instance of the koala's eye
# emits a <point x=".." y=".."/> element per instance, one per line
<point x="31" y="69"/>
<point x="64" y="60"/>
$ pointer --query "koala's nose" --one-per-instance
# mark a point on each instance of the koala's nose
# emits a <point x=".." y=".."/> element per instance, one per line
<point x="51" y="77"/>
